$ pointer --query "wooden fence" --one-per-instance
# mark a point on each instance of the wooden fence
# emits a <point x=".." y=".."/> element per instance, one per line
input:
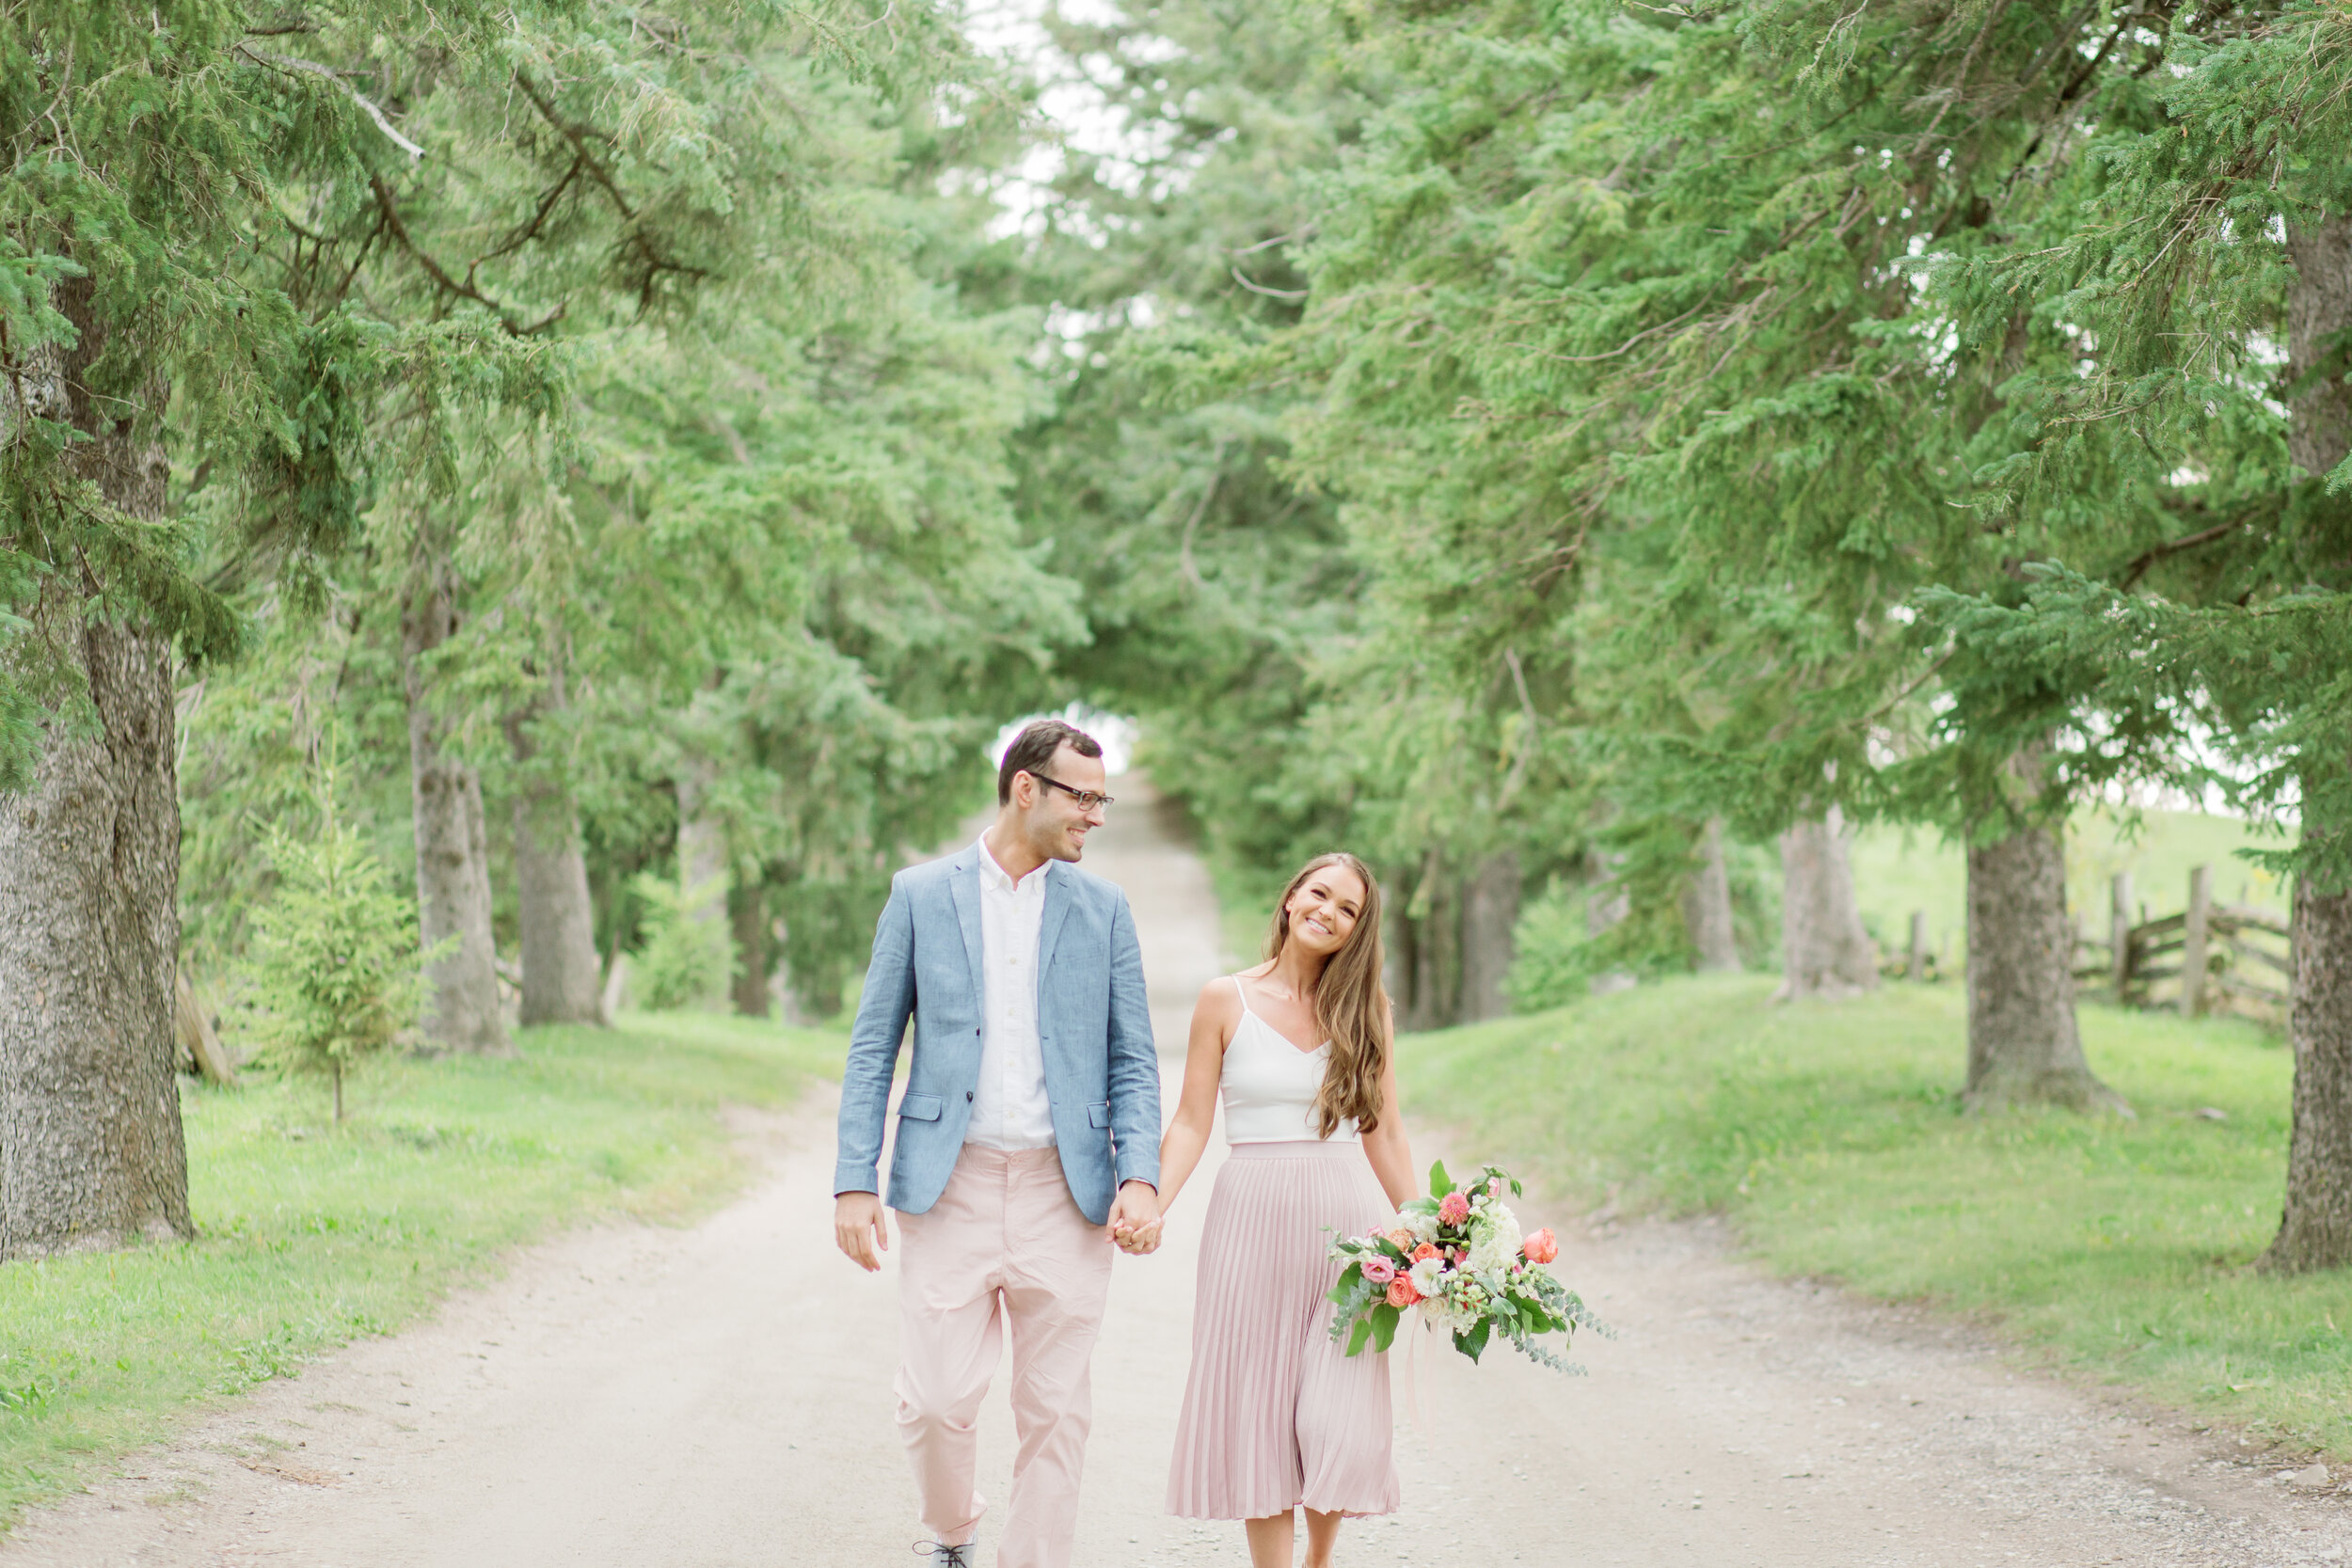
<point x="2208" y="958"/>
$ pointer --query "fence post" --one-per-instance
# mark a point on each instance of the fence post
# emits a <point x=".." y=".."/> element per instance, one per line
<point x="2120" y="930"/>
<point x="2193" y="948"/>
<point x="1915" y="967"/>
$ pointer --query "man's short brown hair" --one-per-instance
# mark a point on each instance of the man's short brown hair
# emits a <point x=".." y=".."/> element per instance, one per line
<point x="1035" y="746"/>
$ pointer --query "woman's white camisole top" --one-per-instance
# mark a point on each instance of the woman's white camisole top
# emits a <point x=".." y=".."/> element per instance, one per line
<point x="1269" y="1084"/>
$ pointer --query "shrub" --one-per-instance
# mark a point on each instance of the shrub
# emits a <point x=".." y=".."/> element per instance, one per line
<point x="687" y="959"/>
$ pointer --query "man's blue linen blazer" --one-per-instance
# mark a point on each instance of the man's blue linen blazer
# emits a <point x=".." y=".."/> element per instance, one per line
<point x="1093" y="1022"/>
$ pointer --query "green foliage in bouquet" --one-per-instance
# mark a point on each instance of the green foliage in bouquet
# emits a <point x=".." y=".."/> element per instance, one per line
<point x="1480" y="1279"/>
<point x="332" y="974"/>
<point x="687" y="958"/>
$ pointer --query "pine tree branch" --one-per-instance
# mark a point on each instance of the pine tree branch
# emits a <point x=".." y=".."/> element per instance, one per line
<point x="287" y="65"/>
<point x="633" y="237"/>
<point x="2154" y="553"/>
<point x="389" y="208"/>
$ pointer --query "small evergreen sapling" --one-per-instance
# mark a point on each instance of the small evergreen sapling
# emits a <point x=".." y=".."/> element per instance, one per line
<point x="688" y="960"/>
<point x="333" y="972"/>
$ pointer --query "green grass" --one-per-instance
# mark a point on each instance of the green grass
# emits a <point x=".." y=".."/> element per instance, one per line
<point x="312" y="1238"/>
<point x="1831" y="1135"/>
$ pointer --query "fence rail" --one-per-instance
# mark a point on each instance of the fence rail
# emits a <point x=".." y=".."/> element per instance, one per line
<point x="2207" y="958"/>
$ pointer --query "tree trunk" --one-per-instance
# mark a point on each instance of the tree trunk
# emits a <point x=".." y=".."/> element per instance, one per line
<point x="92" y="1151"/>
<point x="1824" y="951"/>
<point x="453" y="854"/>
<point x="1606" y="906"/>
<point x="702" y="848"/>
<point x="2023" y="1045"/>
<point x="2316" y="1229"/>
<point x="562" y="974"/>
<point x="1707" y="905"/>
<point x="1490" y="911"/>
<point x="755" y="956"/>
<point x="1434" y="951"/>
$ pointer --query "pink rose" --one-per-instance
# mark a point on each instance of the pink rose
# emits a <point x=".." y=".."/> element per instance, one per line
<point x="1378" y="1270"/>
<point x="1542" y="1247"/>
<point x="1401" y="1292"/>
<point x="1453" y="1208"/>
<point x="1426" y="1249"/>
<point x="1402" y="1237"/>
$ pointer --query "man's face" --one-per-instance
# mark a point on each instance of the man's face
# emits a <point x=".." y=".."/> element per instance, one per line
<point x="1053" y="822"/>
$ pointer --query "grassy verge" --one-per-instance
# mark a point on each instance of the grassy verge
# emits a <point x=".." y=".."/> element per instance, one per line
<point x="1831" y="1135"/>
<point x="312" y="1238"/>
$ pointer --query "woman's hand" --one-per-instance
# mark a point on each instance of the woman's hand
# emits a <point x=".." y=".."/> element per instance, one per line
<point x="1135" y="1213"/>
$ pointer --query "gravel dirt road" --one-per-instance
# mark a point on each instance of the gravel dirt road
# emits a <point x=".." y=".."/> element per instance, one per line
<point x="719" y="1395"/>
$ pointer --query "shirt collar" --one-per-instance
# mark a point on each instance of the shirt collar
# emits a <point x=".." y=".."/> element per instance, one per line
<point x="996" y="876"/>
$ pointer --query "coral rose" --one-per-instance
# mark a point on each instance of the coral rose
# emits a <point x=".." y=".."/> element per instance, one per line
<point x="1426" y="1249"/>
<point x="1453" y="1208"/>
<point x="1401" y="1292"/>
<point x="1542" y="1247"/>
<point x="1378" y="1270"/>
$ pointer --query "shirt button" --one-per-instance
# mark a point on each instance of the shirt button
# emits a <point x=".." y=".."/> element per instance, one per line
<point x="967" y="1097"/>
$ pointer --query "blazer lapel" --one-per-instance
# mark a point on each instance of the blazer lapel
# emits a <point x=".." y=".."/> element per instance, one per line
<point x="1057" y="897"/>
<point x="964" y="886"/>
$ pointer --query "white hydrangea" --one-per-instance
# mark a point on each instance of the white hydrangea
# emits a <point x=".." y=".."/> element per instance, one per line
<point x="1423" y="1226"/>
<point x="1494" y="1239"/>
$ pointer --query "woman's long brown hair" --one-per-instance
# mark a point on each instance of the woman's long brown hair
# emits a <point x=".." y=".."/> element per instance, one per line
<point x="1351" y="1004"/>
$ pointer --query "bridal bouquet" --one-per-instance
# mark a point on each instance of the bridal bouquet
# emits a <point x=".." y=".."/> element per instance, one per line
<point x="1457" y="1257"/>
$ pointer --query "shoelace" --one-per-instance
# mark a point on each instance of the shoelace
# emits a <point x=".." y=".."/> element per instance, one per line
<point x="943" y="1555"/>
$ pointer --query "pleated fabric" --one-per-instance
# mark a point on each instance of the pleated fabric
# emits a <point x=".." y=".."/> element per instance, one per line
<point x="1275" y="1416"/>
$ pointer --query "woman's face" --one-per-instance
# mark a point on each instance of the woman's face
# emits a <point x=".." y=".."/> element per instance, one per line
<point x="1323" y="909"/>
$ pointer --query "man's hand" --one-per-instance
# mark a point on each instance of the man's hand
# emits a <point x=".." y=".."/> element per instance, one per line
<point x="858" y="1229"/>
<point x="1134" y="1223"/>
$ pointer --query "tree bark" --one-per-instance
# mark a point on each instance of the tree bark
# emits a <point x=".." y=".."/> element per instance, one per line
<point x="92" y="1151"/>
<point x="1432" y="957"/>
<point x="1490" y="911"/>
<point x="562" y="974"/>
<point x="1606" y="906"/>
<point x="2316" y="1228"/>
<point x="755" y="955"/>
<point x="702" y="849"/>
<point x="1707" y="905"/>
<point x="1824" y="951"/>
<point x="2022" y="1044"/>
<point x="452" y="852"/>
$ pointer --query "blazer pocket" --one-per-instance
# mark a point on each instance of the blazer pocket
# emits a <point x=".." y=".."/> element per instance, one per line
<point x="920" y="1107"/>
<point x="1098" y="1116"/>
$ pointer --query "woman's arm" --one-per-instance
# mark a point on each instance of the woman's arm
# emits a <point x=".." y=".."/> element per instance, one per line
<point x="1386" y="1146"/>
<point x="1187" y="1137"/>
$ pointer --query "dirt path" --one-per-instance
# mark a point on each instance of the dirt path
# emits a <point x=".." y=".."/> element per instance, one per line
<point x="719" y="1396"/>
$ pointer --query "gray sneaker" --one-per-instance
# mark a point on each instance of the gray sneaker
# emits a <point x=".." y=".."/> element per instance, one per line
<point x="943" y="1555"/>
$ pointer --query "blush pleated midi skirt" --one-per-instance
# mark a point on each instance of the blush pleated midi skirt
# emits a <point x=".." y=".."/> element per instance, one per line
<point x="1275" y="1416"/>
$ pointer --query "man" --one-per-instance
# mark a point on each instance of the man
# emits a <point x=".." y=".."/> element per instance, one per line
<point x="1027" y="1140"/>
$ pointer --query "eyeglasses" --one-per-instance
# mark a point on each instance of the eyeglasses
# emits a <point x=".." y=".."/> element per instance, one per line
<point x="1087" y="798"/>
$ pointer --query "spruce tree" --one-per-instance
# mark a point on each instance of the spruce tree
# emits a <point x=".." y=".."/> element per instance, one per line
<point x="151" y="151"/>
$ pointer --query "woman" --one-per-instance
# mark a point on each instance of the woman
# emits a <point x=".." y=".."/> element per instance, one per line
<point x="1275" y="1416"/>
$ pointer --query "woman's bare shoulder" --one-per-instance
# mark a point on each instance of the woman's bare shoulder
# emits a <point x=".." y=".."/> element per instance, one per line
<point x="1218" y="998"/>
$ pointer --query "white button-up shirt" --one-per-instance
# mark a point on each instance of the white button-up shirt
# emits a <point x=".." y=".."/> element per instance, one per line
<point x="1010" y="1108"/>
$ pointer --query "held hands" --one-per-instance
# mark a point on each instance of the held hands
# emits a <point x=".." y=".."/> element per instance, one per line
<point x="858" y="1229"/>
<point x="1135" y="1223"/>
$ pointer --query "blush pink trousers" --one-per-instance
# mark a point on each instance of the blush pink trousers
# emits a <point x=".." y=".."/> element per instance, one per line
<point x="1005" y="1244"/>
